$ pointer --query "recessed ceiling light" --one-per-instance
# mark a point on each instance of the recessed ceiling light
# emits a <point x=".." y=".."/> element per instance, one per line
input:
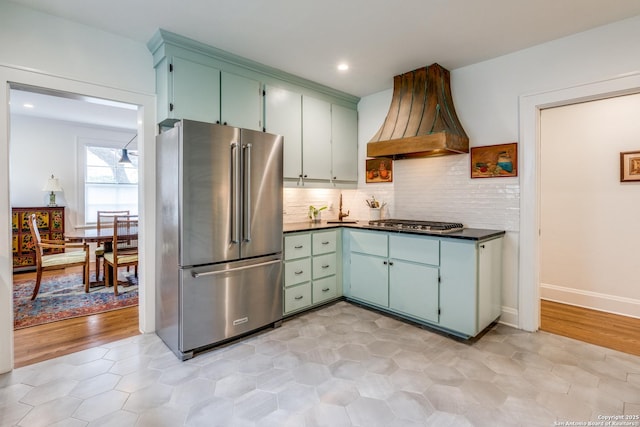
<point x="27" y="105"/>
<point x="343" y="67"/>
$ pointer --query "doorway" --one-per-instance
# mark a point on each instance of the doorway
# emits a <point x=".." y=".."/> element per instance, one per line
<point x="588" y="222"/>
<point x="66" y="135"/>
<point x="530" y="107"/>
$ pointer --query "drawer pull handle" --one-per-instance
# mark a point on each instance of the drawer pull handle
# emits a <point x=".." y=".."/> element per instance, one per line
<point x="299" y="297"/>
<point x="326" y="266"/>
<point x="325" y="243"/>
<point x="326" y="289"/>
<point x="298" y="247"/>
<point x="299" y="272"/>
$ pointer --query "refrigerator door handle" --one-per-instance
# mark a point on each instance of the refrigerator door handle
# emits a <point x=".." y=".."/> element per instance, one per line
<point x="247" y="192"/>
<point x="235" y="193"/>
<point x="232" y="270"/>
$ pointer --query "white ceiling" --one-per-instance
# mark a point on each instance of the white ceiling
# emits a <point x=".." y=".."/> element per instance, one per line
<point x="72" y="108"/>
<point x="378" y="38"/>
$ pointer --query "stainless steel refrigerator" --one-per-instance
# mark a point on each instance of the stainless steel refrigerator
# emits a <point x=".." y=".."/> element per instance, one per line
<point x="219" y="234"/>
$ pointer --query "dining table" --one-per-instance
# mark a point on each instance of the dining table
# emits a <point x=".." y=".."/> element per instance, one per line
<point x="93" y="235"/>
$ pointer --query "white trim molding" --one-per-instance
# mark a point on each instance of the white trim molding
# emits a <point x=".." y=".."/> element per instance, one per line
<point x="593" y="300"/>
<point x="509" y="317"/>
<point x="530" y="106"/>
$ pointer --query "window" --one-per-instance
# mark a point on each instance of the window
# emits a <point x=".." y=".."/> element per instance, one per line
<point x="109" y="185"/>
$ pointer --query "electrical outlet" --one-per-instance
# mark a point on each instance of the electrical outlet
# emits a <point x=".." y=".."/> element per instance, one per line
<point x="329" y="206"/>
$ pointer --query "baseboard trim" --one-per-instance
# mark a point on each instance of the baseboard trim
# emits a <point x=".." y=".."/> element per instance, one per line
<point x="593" y="300"/>
<point x="509" y="317"/>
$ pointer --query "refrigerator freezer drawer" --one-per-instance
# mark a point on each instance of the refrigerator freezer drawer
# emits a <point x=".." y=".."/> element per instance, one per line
<point x="222" y="301"/>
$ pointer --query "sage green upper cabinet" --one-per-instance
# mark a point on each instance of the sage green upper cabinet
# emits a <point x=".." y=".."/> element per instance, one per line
<point x="241" y="101"/>
<point x="344" y="143"/>
<point x="319" y="124"/>
<point x="187" y="90"/>
<point x="316" y="139"/>
<point x="283" y="116"/>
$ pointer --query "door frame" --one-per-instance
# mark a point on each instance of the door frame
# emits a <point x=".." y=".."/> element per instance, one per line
<point x="530" y="106"/>
<point x="146" y="196"/>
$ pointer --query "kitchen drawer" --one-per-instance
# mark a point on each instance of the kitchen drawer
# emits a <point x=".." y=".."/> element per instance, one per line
<point x="324" y="265"/>
<point x="324" y="289"/>
<point x="297" y="271"/>
<point x="425" y="250"/>
<point x="297" y="246"/>
<point x="325" y="242"/>
<point x="370" y="243"/>
<point x="297" y="297"/>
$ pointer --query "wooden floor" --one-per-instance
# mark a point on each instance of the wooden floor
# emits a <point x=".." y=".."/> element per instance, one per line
<point x="596" y="327"/>
<point x="43" y="342"/>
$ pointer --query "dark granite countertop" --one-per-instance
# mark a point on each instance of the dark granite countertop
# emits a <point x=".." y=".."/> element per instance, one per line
<point x="466" y="234"/>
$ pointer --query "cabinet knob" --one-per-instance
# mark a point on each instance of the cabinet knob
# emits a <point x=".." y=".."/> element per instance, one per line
<point x="325" y="243"/>
<point x="482" y="246"/>
<point x="335" y="177"/>
<point x="299" y="297"/>
<point x="326" y="290"/>
<point x="305" y="176"/>
<point x="390" y="262"/>
<point x="326" y="266"/>
<point x="225" y="123"/>
<point x="298" y="247"/>
<point x="217" y="122"/>
<point x="299" y="272"/>
<point x="384" y="262"/>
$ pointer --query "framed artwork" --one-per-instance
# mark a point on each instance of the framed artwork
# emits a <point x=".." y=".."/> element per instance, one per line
<point x="493" y="161"/>
<point x="630" y="166"/>
<point x="379" y="170"/>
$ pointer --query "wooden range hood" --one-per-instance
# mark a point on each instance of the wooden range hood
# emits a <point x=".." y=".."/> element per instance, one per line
<point x="421" y="121"/>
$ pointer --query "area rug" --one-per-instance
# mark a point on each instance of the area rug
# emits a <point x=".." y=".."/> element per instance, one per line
<point x="63" y="297"/>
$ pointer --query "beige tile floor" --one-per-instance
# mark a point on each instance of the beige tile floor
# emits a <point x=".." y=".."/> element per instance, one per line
<point x="342" y="365"/>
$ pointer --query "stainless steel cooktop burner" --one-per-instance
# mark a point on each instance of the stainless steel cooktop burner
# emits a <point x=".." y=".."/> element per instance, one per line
<point x="407" y="224"/>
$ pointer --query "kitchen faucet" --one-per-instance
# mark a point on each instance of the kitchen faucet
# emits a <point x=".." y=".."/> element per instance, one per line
<point x="340" y="214"/>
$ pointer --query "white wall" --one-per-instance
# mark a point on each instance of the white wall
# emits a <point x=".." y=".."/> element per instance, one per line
<point x="47" y="51"/>
<point x="61" y="47"/>
<point x="486" y="97"/>
<point x="589" y="219"/>
<point x="42" y="147"/>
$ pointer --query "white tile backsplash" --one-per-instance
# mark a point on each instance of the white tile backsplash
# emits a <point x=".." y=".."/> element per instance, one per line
<point x="438" y="189"/>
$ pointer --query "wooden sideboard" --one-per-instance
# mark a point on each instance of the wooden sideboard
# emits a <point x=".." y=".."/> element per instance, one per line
<point x="50" y="223"/>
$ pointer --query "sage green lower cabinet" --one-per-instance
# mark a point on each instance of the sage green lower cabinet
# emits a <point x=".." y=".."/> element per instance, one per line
<point x="398" y="272"/>
<point x="451" y="284"/>
<point x="413" y="290"/>
<point x="369" y="279"/>
<point x="312" y="272"/>
<point x="471" y="284"/>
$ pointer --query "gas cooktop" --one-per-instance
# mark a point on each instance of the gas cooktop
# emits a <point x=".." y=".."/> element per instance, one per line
<point x="414" y="225"/>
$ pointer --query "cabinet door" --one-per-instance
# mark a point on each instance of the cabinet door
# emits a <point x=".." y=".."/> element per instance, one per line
<point x="344" y="143"/>
<point x="458" y="281"/>
<point x="369" y="279"/>
<point x="413" y="289"/>
<point x="316" y="138"/>
<point x="241" y="100"/>
<point x="196" y="91"/>
<point x="283" y="116"/>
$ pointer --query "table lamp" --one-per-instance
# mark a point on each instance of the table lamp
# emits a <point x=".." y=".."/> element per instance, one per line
<point x="52" y="185"/>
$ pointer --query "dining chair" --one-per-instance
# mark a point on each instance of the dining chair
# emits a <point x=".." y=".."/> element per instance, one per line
<point x="104" y="220"/>
<point x="57" y="261"/>
<point x="124" y="249"/>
